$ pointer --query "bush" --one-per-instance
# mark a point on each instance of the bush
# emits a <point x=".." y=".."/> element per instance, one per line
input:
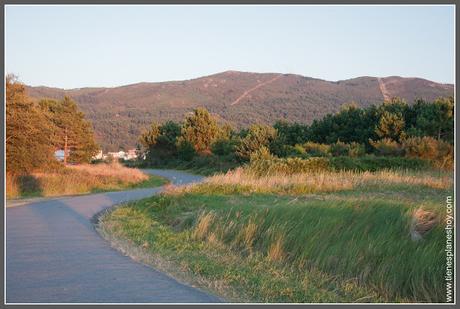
<point x="263" y="163"/>
<point x="295" y="151"/>
<point x="387" y="147"/>
<point x="339" y="149"/>
<point x="185" y="150"/>
<point x="211" y="164"/>
<point x="224" y="147"/>
<point x="438" y="152"/>
<point x="372" y="163"/>
<point x="316" y="149"/>
<point x="356" y="150"/>
<point x="200" y="129"/>
<point x="257" y="137"/>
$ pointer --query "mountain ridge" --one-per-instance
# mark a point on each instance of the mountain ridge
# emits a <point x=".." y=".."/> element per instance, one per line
<point x="233" y="72"/>
<point x="120" y="113"/>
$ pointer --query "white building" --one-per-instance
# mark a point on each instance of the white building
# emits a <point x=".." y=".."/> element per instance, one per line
<point x="59" y="155"/>
<point x="98" y="156"/>
<point x="125" y="155"/>
<point x="117" y="155"/>
<point x="131" y="154"/>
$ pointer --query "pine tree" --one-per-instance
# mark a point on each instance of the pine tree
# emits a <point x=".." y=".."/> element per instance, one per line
<point x="258" y="136"/>
<point x="390" y="126"/>
<point x="200" y="129"/>
<point x="72" y="132"/>
<point x="28" y="131"/>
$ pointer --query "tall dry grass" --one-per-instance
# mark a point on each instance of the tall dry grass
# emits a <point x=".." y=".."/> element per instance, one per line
<point x="114" y="170"/>
<point x="383" y="234"/>
<point x="244" y="181"/>
<point x="76" y="179"/>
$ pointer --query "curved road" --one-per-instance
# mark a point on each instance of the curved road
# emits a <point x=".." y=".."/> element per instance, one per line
<point x="55" y="255"/>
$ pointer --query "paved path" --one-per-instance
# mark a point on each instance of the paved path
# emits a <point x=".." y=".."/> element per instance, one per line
<point x="54" y="255"/>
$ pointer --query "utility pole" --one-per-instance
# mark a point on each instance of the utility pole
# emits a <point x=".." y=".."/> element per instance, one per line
<point x="65" y="146"/>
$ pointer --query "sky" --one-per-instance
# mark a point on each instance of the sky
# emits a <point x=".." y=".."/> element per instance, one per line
<point x="104" y="46"/>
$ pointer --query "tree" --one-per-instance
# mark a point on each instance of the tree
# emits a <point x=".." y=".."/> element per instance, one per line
<point x="200" y="129"/>
<point x="434" y="119"/>
<point x="226" y="132"/>
<point x="224" y="147"/>
<point x="169" y="133"/>
<point x="159" y="142"/>
<point x="291" y="133"/>
<point x="28" y="131"/>
<point x="185" y="150"/>
<point x="391" y="125"/>
<point x="257" y="137"/>
<point x="392" y="119"/>
<point x="351" y="124"/>
<point x="149" y="138"/>
<point x="72" y="132"/>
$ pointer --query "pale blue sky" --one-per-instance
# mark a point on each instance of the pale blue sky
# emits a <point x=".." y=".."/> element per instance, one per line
<point x="81" y="46"/>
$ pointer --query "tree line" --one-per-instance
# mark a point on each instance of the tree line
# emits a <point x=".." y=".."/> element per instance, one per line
<point x="424" y="130"/>
<point x="35" y="130"/>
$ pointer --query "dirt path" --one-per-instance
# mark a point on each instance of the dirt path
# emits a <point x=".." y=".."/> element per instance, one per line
<point x="247" y="92"/>
<point x="385" y="93"/>
<point x="55" y="255"/>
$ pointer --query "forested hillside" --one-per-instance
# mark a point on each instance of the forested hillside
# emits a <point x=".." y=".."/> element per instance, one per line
<point x="120" y="114"/>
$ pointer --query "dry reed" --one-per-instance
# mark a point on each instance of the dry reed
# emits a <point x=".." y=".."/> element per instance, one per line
<point x="325" y="181"/>
<point x="115" y="170"/>
<point x="76" y="179"/>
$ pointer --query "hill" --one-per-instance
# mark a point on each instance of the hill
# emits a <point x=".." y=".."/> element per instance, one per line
<point x="240" y="98"/>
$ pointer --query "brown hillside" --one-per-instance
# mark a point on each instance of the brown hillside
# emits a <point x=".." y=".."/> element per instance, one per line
<point x="119" y="114"/>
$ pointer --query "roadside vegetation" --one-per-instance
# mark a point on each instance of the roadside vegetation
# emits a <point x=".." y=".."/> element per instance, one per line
<point x="35" y="130"/>
<point x="79" y="179"/>
<point x="347" y="209"/>
<point x="309" y="237"/>
<point x="394" y="135"/>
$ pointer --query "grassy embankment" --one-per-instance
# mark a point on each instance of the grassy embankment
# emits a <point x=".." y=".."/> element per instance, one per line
<point x="206" y="165"/>
<point x="80" y="179"/>
<point x="313" y="237"/>
<point x="209" y="165"/>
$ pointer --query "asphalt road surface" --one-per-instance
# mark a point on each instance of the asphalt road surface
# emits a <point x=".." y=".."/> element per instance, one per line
<point x="55" y="255"/>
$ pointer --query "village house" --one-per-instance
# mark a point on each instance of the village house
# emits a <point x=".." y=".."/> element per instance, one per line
<point x="124" y="155"/>
<point x="59" y="155"/>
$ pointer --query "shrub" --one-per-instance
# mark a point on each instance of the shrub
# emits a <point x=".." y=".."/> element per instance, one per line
<point x="295" y="151"/>
<point x="339" y="149"/>
<point x="262" y="154"/>
<point x="372" y="163"/>
<point x="356" y="150"/>
<point x="317" y="149"/>
<point x="185" y="150"/>
<point x="438" y="152"/>
<point x="264" y="163"/>
<point x="258" y="136"/>
<point x="200" y="129"/>
<point x="224" y="147"/>
<point x="211" y="164"/>
<point x="387" y="147"/>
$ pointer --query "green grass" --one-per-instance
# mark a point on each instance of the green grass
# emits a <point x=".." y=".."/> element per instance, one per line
<point x="205" y="165"/>
<point x="346" y="246"/>
<point x="151" y="182"/>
